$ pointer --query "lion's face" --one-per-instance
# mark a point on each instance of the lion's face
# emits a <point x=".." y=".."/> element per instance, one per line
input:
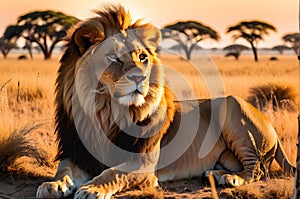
<point x="128" y="68"/>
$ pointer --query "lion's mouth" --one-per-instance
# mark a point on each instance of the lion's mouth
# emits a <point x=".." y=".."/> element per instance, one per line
<point x="138" y="91"/>
<point x="131" y="95"/>
<point x="135" y="98"/>
<point x="128" y="91"/>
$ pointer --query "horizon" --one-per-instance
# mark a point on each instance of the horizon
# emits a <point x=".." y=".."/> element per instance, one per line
<point x="283" y="15"/>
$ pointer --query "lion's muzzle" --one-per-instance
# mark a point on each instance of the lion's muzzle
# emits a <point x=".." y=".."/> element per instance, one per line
<point x="131" y="89"/>
<point x="137" y="79"/>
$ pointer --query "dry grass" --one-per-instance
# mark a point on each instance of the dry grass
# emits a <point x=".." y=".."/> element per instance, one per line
<point x="237" y="76"/>
<point x="29" y="103"/>
<point x="286" y="126"/>
<point x="29" y="95"/>
<point x="145" y="193"/>
<point x="269" y="189"/>
<point x="277" y="96"/>
<point x="16" y="144"/>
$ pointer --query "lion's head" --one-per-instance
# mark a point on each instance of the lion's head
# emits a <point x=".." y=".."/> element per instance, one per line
<point x="126" y="64"/>
<point x="112" y="66"/>
<point x="133" y="70"/>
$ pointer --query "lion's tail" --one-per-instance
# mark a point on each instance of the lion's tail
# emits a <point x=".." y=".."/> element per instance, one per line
<point x="282" y="160"/>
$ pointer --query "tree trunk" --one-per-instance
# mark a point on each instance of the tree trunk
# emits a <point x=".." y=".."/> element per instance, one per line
<point x="254" y="50"/>
<point x="29" y="48"/>
<point x="47" y="55"/>
<point x="30" y="52"/>
<point x="188" y="51"/>
<point x="52" y="48"/>
<point x="45" y="52"/>
<point x="236" y="56"/>
<point x="188" y="55"/>
<point x="4" y="53"/>
<point x="43" y="48"/>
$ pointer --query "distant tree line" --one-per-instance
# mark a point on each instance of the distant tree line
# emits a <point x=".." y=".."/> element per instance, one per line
<point x="188" y="34"/>
<point x="43" y="30"/>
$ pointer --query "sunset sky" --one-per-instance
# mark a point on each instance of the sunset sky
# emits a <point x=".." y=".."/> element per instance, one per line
<point x="219" y="14"/>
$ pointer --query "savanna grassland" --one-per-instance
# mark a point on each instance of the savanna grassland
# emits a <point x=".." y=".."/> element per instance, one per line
<point x="27" y="98"/>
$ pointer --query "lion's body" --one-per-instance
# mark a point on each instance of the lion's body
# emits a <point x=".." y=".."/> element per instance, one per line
<point x="117" y="123"/>
<point x="247" y="141"/>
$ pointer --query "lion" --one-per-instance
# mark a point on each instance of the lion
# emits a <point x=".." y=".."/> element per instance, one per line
<point x="120" y="127"/>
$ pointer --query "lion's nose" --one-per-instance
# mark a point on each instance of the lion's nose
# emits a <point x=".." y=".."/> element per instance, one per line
<point x="136" y="78"/>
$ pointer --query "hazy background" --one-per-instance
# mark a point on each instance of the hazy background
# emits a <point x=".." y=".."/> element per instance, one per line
<point x="219" y="14"/>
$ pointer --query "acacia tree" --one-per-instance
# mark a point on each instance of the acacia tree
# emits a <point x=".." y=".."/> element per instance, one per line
<point x="9" y="39"/>
<point x="45" y="28"/>
<point x="235" y="50"/>
<point x="293" y="39"/>
<point x="188" y="34"/>
<point x="281" y="48"/>
<point x="6" y="46"/>
<point x="252" y="32"/>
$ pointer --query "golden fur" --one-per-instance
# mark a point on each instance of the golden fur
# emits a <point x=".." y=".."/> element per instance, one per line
<point x="111" y="82"/>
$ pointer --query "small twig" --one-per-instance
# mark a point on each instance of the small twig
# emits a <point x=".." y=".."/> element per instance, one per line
<point x="4" y="84"/>
<point x="18" y="95"/>
<point x="214" y="192"/>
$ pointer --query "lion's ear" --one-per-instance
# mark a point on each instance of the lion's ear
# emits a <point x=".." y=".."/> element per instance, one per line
<point x="87" y="35"/>
<point x="150" y="35"/>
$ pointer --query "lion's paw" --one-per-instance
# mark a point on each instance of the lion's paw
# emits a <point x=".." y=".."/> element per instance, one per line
<point x="59" y="188"/>
<point x="232" y="180"/>
<point x="92" y="192"/>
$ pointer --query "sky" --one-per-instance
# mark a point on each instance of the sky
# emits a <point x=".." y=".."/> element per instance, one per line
<point x="218" y="14"/>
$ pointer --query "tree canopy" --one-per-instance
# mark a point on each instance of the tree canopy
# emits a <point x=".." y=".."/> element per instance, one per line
<point x="45" y="28"/>
<point x="188" y="33"/>
<point x="293" y="39"/>
<point x="252" y="32"/>
<point x="281" y="48"/>
<point x="6" y="46"/>
<point x="235" y="50"/>
<point x="236" y="47"/>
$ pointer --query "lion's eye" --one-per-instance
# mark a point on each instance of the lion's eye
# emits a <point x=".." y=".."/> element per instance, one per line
<point x="143" y="57"/>
<point x="112" y="57"/>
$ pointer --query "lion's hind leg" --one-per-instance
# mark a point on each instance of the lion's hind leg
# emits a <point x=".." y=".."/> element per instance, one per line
<point x="67" y="179"/>
<point x="250" y="137"/>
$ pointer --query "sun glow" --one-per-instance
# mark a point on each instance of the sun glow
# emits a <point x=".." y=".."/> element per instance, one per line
<point x="215" y="13"/>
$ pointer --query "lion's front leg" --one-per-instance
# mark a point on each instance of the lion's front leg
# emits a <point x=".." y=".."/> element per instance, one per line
<point x="115" y="180"/>
<point x="68" y="178"/>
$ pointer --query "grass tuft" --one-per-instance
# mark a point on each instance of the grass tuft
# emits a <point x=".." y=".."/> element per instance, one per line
<point x="269" y="189"/>
<point x="28" y="94"/>
<point x="278" y="95"/>
<point x="16" y="144"/>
